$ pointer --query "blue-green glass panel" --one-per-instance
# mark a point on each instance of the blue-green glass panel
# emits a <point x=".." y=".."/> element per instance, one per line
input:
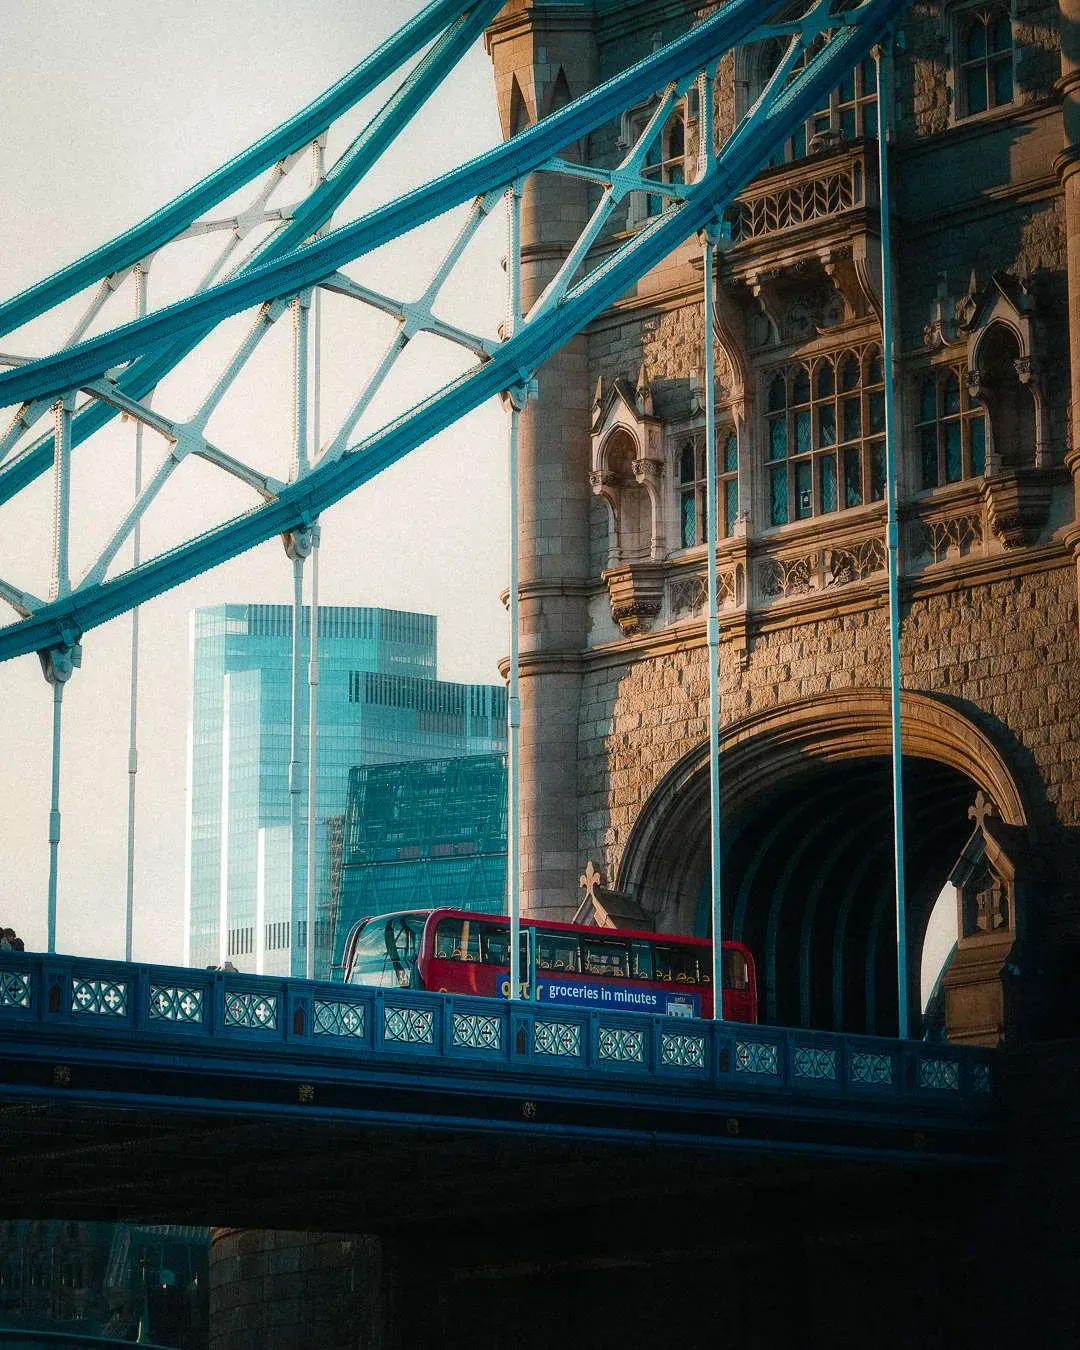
<point x="777" y="394"/>
<point x="798" y="144"/>
<point x="826" y="379"/>
<point x="676" y="174"/>
<point x="852" y="416"/>
<point x="978" y="444"/>
<point x="1001" y="34"/>
<point x="928" y="400"/>
<point x="875" y="371"/>
<point x="975" y="82"/>
<point x="1003" y="81"/>
<point x="731" y="506"/>
<point x="653" y="205"/>
<point x="828" y="482"/>
<point x="778" y="503"/>
<point x="847" y="88"/>
<point x="778" y="438"/>
<point x="849" y="373"/>
<point x="802" y="432"/>
<point x="689" y="520"/>
<point x="686" y="463"/>
<point x="928" y="456"/>
<point x="877" y="414"/>
<point x="804" y="489"/>
<point x="952" y="395"/>
<point x="848" y="124"/>
<point x="975" y="40"/>
<point x="869" y="76"/>
<point x="954" y="457"/>
<point x="731" y="453"/>
<point x="877" y="471"/>
<point x="852" y="478"/>
<point x="800" y="385"/>
<point x="827" y="425"/>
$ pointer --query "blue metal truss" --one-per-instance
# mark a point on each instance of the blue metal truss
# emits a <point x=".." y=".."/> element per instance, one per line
<point x="830" y="38"/>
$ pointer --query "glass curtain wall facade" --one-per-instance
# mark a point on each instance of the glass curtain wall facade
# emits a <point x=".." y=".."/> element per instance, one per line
<point x="420" y="834"/>
<point x="379" y="702"/>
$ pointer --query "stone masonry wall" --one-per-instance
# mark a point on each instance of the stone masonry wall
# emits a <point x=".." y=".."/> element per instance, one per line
<point x="1006" y="653"/>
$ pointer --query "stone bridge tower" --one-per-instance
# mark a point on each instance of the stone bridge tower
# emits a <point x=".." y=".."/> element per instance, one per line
<point x="614" y="672"/>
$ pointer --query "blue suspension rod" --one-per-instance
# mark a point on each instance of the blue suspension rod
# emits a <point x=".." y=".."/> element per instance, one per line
<point x="300" y="502"/>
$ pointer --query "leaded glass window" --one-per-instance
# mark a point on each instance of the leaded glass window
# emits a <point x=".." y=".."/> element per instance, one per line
<point x="692" y="480"/>
<point x="985" y="59"/>
<point x="850" y="113"/>
<point x="825" y="434"/>
<point x="950" y="429"/>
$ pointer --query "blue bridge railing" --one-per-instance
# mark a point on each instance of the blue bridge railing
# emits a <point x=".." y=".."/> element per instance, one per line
<point x="294" y="1021"/>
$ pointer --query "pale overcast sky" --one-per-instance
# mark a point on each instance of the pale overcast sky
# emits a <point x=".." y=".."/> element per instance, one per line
<point x="111" y="108"/>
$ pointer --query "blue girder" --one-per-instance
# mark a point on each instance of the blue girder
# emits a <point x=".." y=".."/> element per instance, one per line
<point x="154" y="343"/>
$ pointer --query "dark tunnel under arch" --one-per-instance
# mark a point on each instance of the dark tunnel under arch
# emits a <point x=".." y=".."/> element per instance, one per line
<point x="807" y="833"/>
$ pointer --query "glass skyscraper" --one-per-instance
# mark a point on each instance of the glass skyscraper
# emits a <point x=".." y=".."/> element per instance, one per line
<point x="419" y="834"/>
<point x="379" y="702"/>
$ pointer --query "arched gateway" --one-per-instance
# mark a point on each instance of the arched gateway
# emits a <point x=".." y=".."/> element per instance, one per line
<point x="807" y="841"/>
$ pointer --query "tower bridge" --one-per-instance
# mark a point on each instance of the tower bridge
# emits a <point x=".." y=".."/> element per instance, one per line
<point x="790" y="337"/>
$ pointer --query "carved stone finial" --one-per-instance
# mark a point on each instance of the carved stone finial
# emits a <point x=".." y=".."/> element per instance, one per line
<point x="981" y="810"/>
<point x="643" y="393"/>
<point x="590" y="880"/>
<point x="598" y="400"/>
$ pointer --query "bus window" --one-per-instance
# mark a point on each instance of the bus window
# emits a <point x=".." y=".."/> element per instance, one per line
<point x="736" y="970"/>
<point x="606" y="958"/>
<point x="458" y="940"/>
<point x="680" y="965"/>
<point x="641" y="959"/>
<point x="556" y="951"/>
<point x="386" y="951"/>
<point x="495" y="945"/>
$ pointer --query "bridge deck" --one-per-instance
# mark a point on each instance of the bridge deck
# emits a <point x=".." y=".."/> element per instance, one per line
<point x="150" y="1088"/>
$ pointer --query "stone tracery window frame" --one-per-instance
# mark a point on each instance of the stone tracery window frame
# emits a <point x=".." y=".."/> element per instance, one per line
<point x="668" y="159"/>
<point x="950" y="427"/>
<point x="991" y="71"/>
<point x="823" y="433"/>
<point x="690" y="482"/>
<point x="849" y="115"/>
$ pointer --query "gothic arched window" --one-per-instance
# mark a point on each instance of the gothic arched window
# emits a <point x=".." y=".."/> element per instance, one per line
<point x="825" y="435"/>
<point x="849" y="114"/>
<point x="665" y="159"/>
<point x="950" y="429"/>
<point x="984" y="59"/>
<point x="692" y="480"/>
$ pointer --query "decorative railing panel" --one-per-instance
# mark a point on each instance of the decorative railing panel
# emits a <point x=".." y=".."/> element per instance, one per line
<point x="409" y="1025"/>
<point x="476" y="1031"/>
<point x="682" y="1052"/>
<point x="810" y="1061"/>
<point x="175" y="1003"/>
<point x="802" y="197"/>
<point x="334" y="1018"/>
<point x="16" y="987"/>
<point x="253" y="1012"/>
<point x="99" y="998"/>
<point x="558" y="1039"/>
<point x="621" y="1045"/>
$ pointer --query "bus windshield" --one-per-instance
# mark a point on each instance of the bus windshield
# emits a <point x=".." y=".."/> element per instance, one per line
<point x="386" y="950"/>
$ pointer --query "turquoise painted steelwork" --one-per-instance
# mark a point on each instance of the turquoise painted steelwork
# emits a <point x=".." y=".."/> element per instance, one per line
<point x="382" y="1045"/>
<point x="62" y="621"/>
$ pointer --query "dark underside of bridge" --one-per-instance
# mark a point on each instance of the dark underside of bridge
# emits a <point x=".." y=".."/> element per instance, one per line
<point x="87" y="1162"/>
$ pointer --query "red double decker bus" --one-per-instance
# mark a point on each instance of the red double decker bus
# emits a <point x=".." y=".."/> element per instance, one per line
<point x="453" y="951"/>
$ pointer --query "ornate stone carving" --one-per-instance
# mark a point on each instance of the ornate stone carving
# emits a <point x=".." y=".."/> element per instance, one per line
<point x="688" y="595"/>
<point x="1018" y="505"/>
<point x="952" y="537"/>
<point x="820" y="569"/>
<point x="637" y="593"/>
